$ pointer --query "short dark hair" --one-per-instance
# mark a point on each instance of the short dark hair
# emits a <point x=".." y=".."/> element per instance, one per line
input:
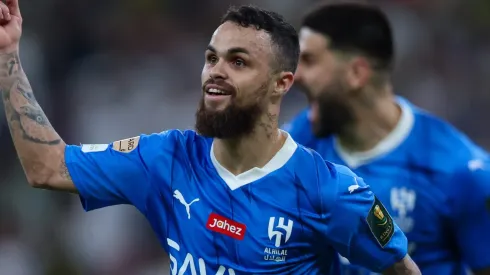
<point x="283" y="35"/>
<point x="357" y="28"/>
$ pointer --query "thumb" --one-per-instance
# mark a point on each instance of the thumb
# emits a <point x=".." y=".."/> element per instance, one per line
<point x="14" y="8"/>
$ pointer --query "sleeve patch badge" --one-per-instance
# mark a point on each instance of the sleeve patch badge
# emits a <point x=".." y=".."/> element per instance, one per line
<point x="89" y="148"/>
<point x="126" y="145"/>
<point x="380" y="223"/>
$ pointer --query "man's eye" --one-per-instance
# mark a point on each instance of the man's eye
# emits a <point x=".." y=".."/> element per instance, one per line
<point x="212" y="59"/>
<point x="239" y="62"/>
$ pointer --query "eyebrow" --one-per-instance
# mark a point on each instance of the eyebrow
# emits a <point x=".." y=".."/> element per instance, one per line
<point x="230" y="51"/>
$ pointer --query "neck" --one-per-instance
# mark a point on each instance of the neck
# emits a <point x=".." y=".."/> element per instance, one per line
<point x="374" y="123"/>
<point x="254" y="150"/>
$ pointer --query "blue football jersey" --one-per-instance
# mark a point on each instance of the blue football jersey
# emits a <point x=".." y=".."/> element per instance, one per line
<point x="289" y="217"/>
<point x="434" y="182"/>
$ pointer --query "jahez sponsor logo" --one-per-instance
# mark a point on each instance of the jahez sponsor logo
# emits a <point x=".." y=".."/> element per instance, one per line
<point x="226" y="226"/>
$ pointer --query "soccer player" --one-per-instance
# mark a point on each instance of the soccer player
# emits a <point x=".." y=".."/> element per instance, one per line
<point x="237" y="197"/>
<point x="419" y="166"/>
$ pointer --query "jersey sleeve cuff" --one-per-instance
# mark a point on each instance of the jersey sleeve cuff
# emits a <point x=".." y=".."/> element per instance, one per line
<point x="70" y="152"/>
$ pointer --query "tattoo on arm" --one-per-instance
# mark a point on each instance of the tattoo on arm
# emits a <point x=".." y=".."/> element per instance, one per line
<point x="25" y="116"/>
<point x="32" y="133"/>
<point x="64" y="171"/>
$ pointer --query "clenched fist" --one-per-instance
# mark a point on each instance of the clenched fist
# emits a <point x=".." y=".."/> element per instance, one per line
<point x="10" y="26"/>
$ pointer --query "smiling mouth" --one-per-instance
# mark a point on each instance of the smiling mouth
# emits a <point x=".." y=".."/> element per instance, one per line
<point x="217" y="92"/>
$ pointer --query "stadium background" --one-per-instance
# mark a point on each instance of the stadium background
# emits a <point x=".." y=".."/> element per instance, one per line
<point x="110" y="69"/>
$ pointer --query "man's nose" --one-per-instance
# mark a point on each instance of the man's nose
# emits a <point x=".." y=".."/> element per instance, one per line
<point x="218" y="71"/>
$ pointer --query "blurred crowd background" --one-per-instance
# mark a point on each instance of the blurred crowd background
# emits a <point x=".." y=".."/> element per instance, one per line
<point x="110" y="69"/>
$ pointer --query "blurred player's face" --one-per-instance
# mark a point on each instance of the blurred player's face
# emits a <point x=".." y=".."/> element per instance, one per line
<point x="235" y="81"/>
<point x="321" y="75"/>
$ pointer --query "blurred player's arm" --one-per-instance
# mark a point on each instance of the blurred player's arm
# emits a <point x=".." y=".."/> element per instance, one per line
<point x="405" y="266"/>
<point x="360" y="228"/>
<point x="39" y="147"/>
<point x="470" y="193"/>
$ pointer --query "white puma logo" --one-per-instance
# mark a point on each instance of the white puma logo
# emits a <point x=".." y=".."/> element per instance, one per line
<point x="181" y="199"/>
<point x="353" y="187"/>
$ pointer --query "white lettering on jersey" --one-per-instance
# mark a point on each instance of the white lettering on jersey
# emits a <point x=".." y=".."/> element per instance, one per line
<point x="187" y="206"/>
<point x="88" y="148"/>
<point x="226" y="226"/>
<point x="403" y="203"/>
<point x="275" y="255"/>
<point x="190" y="265"/>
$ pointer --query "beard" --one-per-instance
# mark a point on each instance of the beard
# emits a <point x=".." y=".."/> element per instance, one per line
<point x="334" y="110"/>
<point x="234" y="121"/>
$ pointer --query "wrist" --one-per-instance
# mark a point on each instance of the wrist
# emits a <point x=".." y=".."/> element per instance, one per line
<point x="11" y="50"/>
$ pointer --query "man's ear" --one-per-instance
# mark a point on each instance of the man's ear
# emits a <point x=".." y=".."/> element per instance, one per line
<point x="359" y="72"/>
<point x="283" y="83"/>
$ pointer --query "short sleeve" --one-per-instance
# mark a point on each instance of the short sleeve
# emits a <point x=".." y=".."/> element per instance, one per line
<point x="116" y="173"/>
<point x="357" y="224"/>
<point x="471" y="214"/>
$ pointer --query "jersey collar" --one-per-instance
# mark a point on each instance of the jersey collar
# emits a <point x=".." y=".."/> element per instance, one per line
<point x="254" y="174"/>
<point x="386" y="145"/>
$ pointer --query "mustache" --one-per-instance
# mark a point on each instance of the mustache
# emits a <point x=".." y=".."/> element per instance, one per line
<point x="219" y="82"/>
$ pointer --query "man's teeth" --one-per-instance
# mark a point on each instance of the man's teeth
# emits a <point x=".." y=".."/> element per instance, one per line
<point x="216" y="91"/>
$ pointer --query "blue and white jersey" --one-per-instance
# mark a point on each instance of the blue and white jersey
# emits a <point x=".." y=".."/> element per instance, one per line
<point x="290" y="217"/>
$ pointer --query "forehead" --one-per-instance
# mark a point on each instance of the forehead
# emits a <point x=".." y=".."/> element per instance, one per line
<point x="230" y="35"/>
<point x="312" y="41"/>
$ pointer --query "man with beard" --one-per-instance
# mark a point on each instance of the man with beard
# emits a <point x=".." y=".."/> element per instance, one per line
<point x="431" y="177"/>
<point x="237" y="197"/>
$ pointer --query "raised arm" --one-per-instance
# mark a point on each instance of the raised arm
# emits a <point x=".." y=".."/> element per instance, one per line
<point x="103" y="174"/>
<point x="39" y="147"/>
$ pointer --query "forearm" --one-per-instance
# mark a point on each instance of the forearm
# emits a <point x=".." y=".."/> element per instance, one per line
<point x="39" y="147"/>
<point x="404" y="267"/>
